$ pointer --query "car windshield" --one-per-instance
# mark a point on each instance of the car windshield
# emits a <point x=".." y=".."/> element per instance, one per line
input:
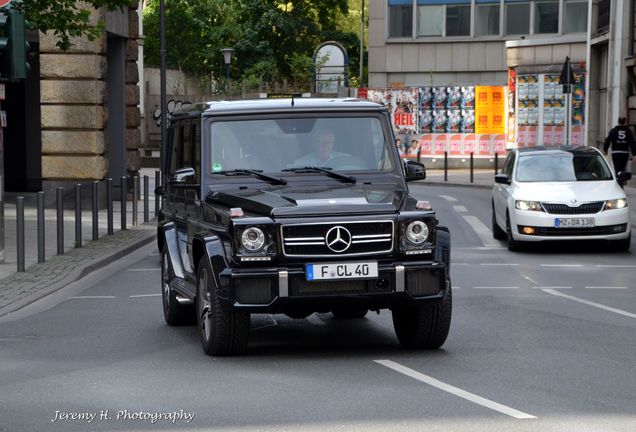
<point x="562" y="167"/>
<point x="282" y="144"/>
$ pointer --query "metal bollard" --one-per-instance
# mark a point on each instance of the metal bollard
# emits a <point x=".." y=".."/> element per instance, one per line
<point x="445" y="166"/>
<point x="78" y="215"/>
<point x="496" y="163"/>
<point x="472" y="167"/>
<point x="40" y="217"/>
<point x="59" y="201"/>
<point x="146" y="199"/>
<point x="20" y="232"/>
<point x="95" y="197"/>
<point x="135" y="200"/>
<point x="157" y="184"/>
<point x="109" y="204"/>
<point x="123" y="192"/>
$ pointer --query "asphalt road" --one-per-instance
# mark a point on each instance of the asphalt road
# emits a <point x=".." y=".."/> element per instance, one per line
<point x="541" y="340"/>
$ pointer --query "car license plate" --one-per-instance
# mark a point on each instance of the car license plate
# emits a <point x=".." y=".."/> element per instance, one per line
<point x="349" y="270"/>
<point x="574" y="222"/>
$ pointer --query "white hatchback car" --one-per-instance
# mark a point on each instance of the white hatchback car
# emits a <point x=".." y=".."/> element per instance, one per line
<point x="559" y="193"/>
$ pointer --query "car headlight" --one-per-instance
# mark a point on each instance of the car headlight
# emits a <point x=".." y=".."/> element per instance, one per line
<point x="615" y="204"/>
<point x="417" y="232"/>
<point x="528" y="205"/>
<point x="253" y="239"/>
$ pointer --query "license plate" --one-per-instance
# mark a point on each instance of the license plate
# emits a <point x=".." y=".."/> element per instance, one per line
<point x="349" y="270"/>
<point x="574" y="222"/>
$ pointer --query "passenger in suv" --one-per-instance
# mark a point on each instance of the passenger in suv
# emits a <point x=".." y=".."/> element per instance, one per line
<point x="248" y="225"/>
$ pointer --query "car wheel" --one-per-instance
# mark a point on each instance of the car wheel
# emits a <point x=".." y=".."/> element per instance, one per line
<point x="350" y="313"/>
<point x="624" y="244"/>
<point x="513" y="245"/>
<point x="497" y="232"/>
<point x="424" y="326"/>
<point x="175" y="313"/>
<point x="222" y="331"/>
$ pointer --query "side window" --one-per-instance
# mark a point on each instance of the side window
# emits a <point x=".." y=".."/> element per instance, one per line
<point x="175" y="148"/>
<point x="508" y="165"/>
<point x="196" y="143"/>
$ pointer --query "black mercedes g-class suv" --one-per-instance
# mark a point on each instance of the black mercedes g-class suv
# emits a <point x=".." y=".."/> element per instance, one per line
<point x="296" y="206"/>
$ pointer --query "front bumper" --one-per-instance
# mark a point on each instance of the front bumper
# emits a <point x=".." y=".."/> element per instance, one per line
<point x="285" y="289"/>
<point x="608" y="225"/>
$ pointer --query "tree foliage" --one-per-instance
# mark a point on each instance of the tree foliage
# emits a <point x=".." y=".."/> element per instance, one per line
<point x="273" y="40"/>
<point x="67" y="18"/>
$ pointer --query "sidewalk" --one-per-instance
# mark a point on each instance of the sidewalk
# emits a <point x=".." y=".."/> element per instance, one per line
<point x="20" y="289"/>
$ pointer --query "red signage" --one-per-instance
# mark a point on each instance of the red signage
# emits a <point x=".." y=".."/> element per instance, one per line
<point x="3" y="3"/>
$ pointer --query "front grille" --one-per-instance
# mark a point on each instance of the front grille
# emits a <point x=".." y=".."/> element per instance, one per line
<point x="424" y="282"/>
<point x="345" y="238"/>
<point x="599" y="230"/>
<point x="586" y="208"/>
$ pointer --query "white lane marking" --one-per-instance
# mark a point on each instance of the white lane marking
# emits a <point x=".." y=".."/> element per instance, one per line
<point x="499" y="264"/>
<point x="143" y="269"/>
<point x="482" y="231"/>
<point x="315" y="320"/>
<point x="449" y="198"/>
<point x="606" y="287"/>
<point x="460" y="264"/>
<point x="551" y="287"/>
<point x="471" y="397"/>
<point x="91" y="297"/>
<point x="615" y="266"/>
<point x="460" y="209"/>
<point x="560" y="265"/>
<point x="496" y="287"/>
<point x="145" y="295"/>
<point x="589" y="303"/>
<point x="529" y="279"/>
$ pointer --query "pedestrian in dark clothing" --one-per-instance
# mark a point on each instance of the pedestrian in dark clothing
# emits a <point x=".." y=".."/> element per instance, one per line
<point x="621" y="139"/>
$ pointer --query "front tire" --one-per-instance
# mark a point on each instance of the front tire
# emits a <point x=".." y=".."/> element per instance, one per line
<point x="624" y="244"/>
<point x="175" y="313"/>
<point x="426" y="326"/>
<point x="513" y="245"/>
<point x="222" y="331"/>
<point x="497" y="232"/>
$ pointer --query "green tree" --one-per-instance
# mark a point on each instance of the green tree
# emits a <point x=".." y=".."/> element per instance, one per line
<point x="67" y="18"/>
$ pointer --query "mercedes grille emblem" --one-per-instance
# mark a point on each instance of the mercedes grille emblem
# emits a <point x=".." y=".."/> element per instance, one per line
<point x="338" y="239"/>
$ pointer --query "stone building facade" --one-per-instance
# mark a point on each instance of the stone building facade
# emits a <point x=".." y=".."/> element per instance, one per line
<point x="89" y="97"/>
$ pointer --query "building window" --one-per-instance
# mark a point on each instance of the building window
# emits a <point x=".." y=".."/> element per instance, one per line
<point x="603" y="9"/>
<point x="546" y="16"/>
<point x="400" y="18"/>
<point x="575" y="16"/>
<point x="430" y="20"/>
<point x="486" y="19"/>
<point x="517" y="18"/>
<point x="458" y="20"/>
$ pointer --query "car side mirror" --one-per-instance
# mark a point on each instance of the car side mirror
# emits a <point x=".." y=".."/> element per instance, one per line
<point x="415" y="170"/>
<point x="502" y="179"/>
<point x="623" y="177"/>
<point x="183" y="176"/>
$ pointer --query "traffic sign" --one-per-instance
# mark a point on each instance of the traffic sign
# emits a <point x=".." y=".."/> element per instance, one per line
<point x="3" y="3"/>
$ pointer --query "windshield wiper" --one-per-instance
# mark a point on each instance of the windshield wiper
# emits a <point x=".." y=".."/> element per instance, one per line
<point x="325" y="170"/>
<point x="255" y="173"/>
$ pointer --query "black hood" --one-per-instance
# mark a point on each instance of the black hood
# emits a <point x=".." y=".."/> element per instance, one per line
<point x="293" y="200"/>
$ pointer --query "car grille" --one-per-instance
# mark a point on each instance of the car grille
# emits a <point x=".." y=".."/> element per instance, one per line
<point x="345" y="239"/>
<point x="586" y="208"/>
<point x="599" y="230"/>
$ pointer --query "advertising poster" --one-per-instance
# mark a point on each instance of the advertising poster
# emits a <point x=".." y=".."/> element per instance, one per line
<point x="439" y="121"/>
<point x="454" y="96"/>
<point x="455" y="144"/>
<point x="404" y="110"/>
<point x="522" y="113"/>
<point x="484" y="145"/>
<point x="548" y="135"/>
<point x="468" y="121"/>
<point x="558" y="111"/>
<point x="426" y="144"/>
<point x="490" y="109"/>
<point x="454" y="120"/>
<point x="468" y="98"/>
<point x="381" y="96"/>
<point x="548" y="112"/>
<point x="578" y="112"/>
<point x="533" y="86"/>
<point x="500" y="144"/>
<point x="522" y="87"/>
<point x="440" y="143"/>
<point x="469" y="143"/>
<point x="439" y="98"/>
<point x="576" y="135"/>
<point x="558" y="135"/>
<point x="522" y="136"/>
<point x="549" y="84"/>
<point x="533" y="112"/>
<point x="425" y="96"/>
<point x="425" y="119"/>
<point x="532" y="136"/>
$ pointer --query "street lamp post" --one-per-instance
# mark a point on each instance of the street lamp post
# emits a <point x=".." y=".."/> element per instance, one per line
<point x="227" y="59"/>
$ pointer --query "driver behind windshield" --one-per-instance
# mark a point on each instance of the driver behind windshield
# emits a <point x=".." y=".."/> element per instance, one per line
<point x="322" y="153"/>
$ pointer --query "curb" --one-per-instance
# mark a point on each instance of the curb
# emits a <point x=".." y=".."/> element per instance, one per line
<point x="77" y="274"/>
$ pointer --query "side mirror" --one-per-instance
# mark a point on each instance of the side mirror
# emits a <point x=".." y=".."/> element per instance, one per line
<point x="415" y="170"/>
<point x="502" y="179"/>
<point x="183" y="176"/>
<point x="623" y="177"/>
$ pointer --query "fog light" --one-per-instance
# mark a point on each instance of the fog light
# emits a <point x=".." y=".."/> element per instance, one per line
<point x="528" y="230"/>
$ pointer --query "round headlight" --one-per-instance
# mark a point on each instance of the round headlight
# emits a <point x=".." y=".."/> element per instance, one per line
<point x="417" y="232"/>
<point x="253" y="239"/>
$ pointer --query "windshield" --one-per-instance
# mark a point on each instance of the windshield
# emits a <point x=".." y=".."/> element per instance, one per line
<point x="564" y="166"/>
<point x="275" y="145"/>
